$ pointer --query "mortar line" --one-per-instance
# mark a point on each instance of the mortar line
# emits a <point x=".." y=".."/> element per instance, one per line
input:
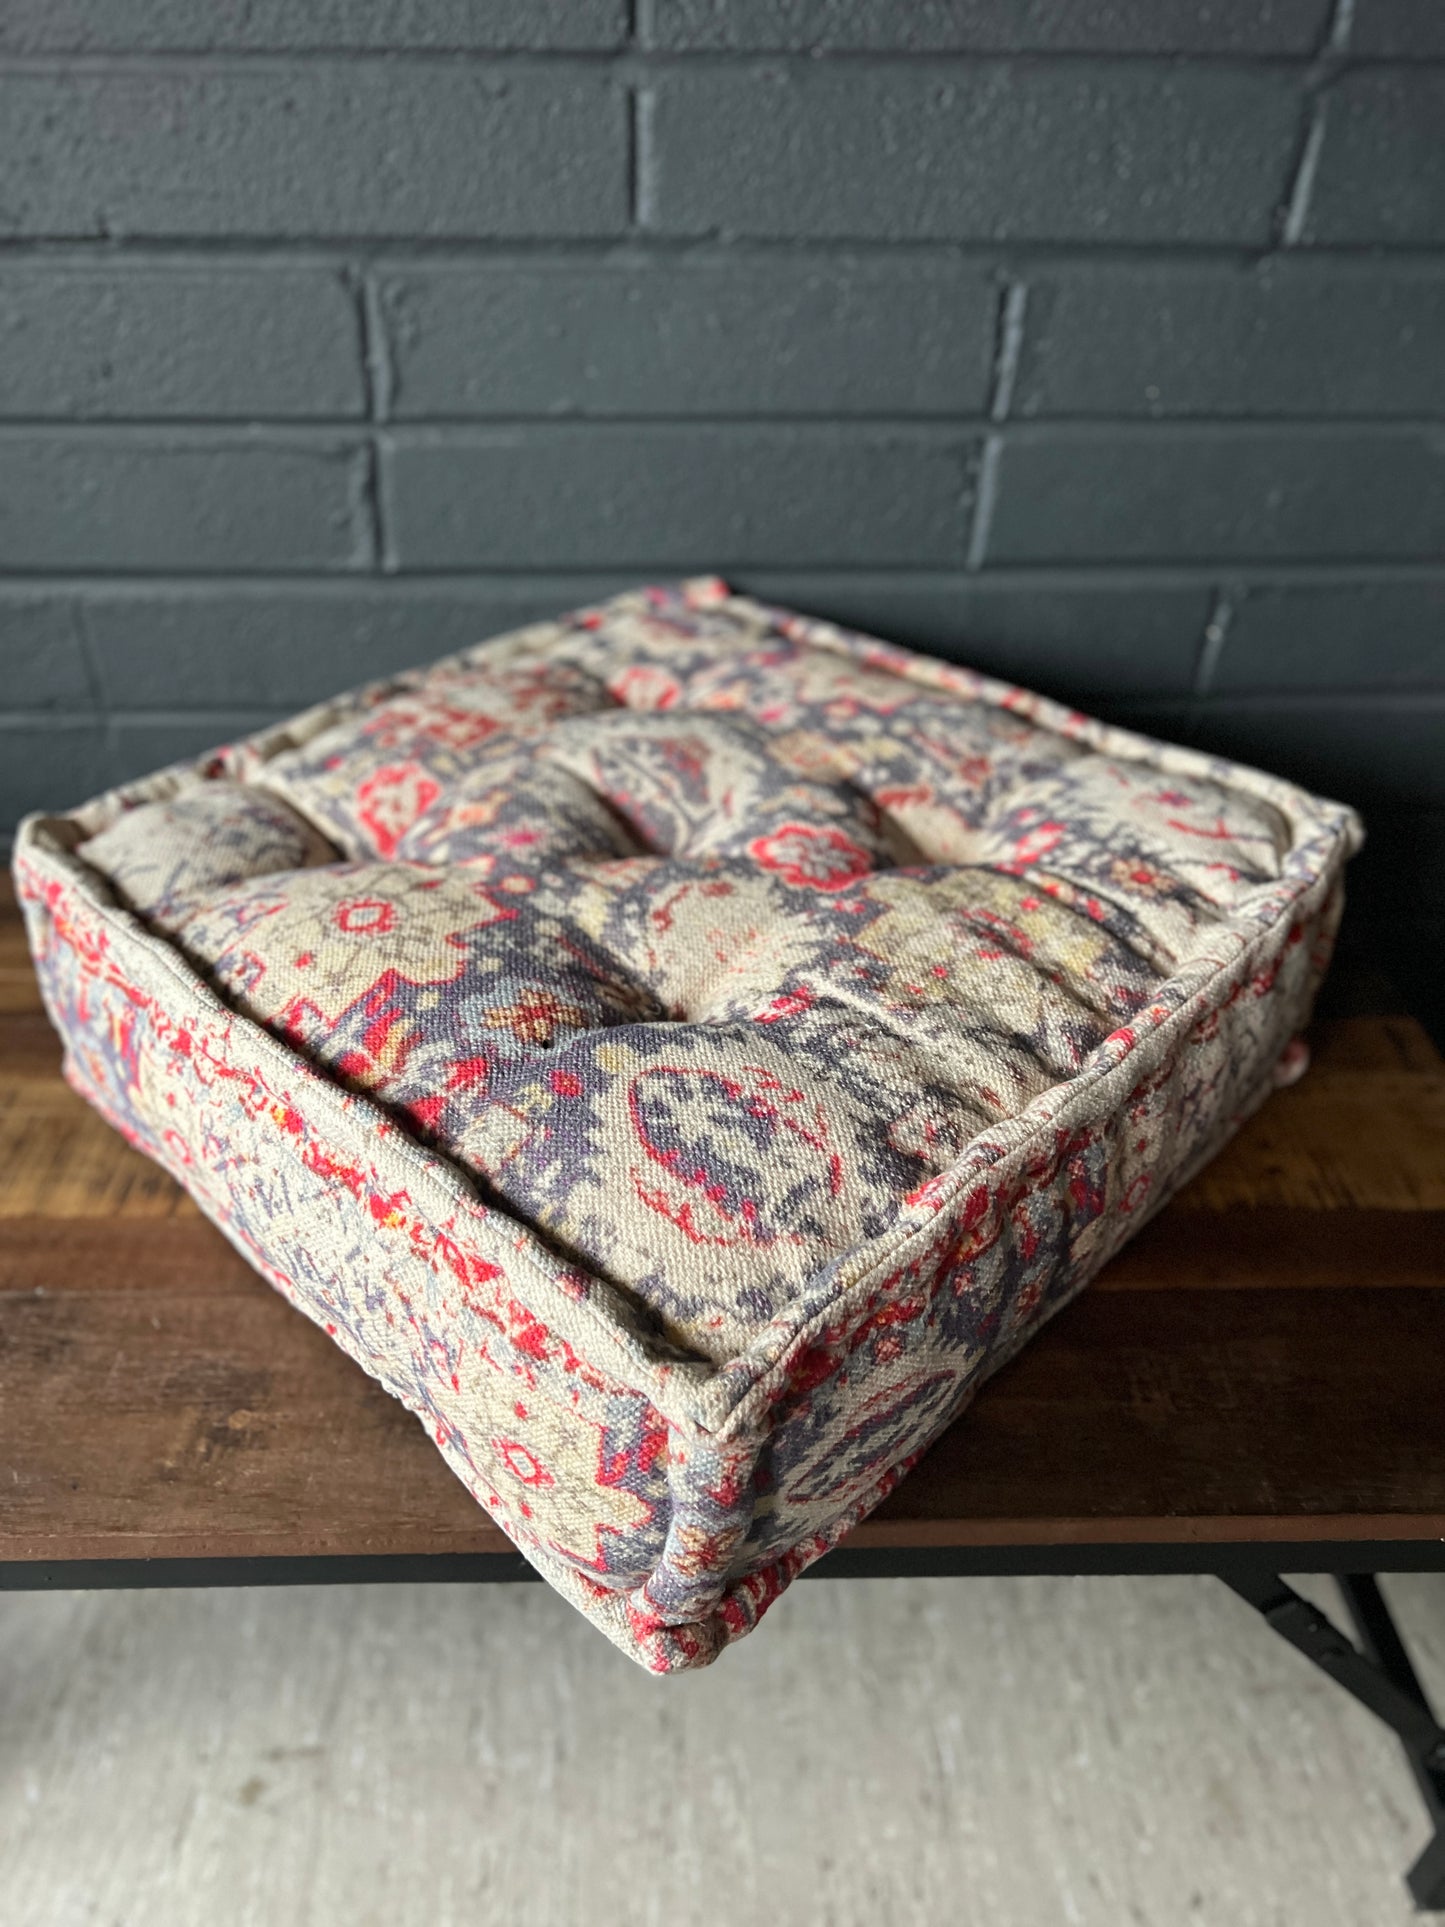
<point x="343" y="434"/>
<point x="1211" y="647"/>
<point x="627" y="61"/>
<point x="378" y="377"/>
<point x="137" y="253"/>
<point x="21" y="582"/>
<point x="368" y="538"/>
<point x="90" y="662"/>
<point x="985" y="496"/>
<point x="640" y="160"/>
<point x="1297" y="205"/>
<point x="378" y="361"/>
<point x="1341" y="26"/>
<point x="634" y="195"/>
<point x="1405" y="701"/>
<point x="1008" y="350"/>
<point x="1331" y="56"/>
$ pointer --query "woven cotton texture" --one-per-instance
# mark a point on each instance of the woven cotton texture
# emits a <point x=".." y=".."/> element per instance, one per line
<point x="681" y="1049"/>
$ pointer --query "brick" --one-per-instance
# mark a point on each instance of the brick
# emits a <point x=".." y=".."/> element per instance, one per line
<point x="1365" y="751"/>
<point x="1287" y="337"/>
<point x="1080" y="641"/>
<point x="326" y="148"/>
<point x="42" y="652"/>
<point x="136" y="745"/>
<point x="1174" y="494"/>
<point x="1399" y="29"/>
<point x="209" y="645"/>
<point x="55" y="763"/>
<point x="685" y="339"/>
<point x="1088" y="644"/>
<point x="79" y="341"/>
<point x="987" y="26"/>
<point x="196" y="501"/>
<point x="978" y="150"/>
<point x="48" y="763"/>
<point x="920" y="611"/>
<point x="1361" y="636"/>
<point x="1381" y="174"/>
<point x="1406" y="940"/>
<point x="1166" y="722"/>
<point x="200" y="26"/>
<point x="679" y="497"/>
<point x="239" y="646"/>
<point x="1411" y="945"/>
<point x="1394" y="922"/>
<point x="1405" y="850"/>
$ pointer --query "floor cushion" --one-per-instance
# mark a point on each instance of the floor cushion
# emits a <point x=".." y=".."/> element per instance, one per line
<point x="681" y="1050"/>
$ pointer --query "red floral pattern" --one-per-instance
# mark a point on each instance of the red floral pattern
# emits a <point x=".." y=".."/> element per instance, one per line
<point x="811" y="856"/>
<point x="681" y="1050"/>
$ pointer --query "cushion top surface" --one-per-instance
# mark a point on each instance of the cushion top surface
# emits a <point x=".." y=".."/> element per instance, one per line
<point x="700" y="940"/>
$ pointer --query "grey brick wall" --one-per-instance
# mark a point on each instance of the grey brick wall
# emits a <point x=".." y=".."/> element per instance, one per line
<point x="1101" y="344"/>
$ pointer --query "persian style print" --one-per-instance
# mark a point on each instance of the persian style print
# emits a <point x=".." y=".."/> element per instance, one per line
<point x="681" y="1050"/>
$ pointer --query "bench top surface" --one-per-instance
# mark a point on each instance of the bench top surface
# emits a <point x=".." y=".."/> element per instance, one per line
<point x="1262" y="1364"/>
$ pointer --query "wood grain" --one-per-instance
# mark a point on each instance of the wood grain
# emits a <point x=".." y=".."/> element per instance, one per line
<point x="1341" y="1137"/>
<point x="1262" y="1362"/>
<point x="1289" y="1248"/>
<point x="18" y="989"/>
<point x="60" y="1160"/>
<point x="1179" y="1409"/>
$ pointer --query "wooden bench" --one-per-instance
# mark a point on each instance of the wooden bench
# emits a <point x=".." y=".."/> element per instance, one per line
<point x="1254" y="1385"/>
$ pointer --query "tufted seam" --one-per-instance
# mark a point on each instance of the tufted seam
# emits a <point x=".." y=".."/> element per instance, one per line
<point x="721" y="1413"/>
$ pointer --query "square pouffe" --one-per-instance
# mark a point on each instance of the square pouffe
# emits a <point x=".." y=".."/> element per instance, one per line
<point x="681" y="1050"/>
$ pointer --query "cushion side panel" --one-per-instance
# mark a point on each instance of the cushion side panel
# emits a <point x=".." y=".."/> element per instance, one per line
<point x="573" y="1460"/>
<point x="870" y="1384"/>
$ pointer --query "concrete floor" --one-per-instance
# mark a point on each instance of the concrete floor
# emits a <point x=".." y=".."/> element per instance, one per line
<point x="981" y="1753"/>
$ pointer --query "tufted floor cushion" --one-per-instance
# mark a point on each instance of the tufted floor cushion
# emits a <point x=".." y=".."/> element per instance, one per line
<point x="681" y="1050"/>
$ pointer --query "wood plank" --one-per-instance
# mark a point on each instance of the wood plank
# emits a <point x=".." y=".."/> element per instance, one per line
<point x="1374" y="1041"/>
<point x="19" y="992"/>
<point x="1373" y="1138"/>
<point x="18" y="988"/>
<point x="1283" y="1247"/>
<point x="58" y="1257"/>
<point x="142" y="1424"/>
<point x="30" y="1050"/>
<point x="61" y="1160"/>
<point x="162" y="1242"/>
<point x="1184" y="1415"/>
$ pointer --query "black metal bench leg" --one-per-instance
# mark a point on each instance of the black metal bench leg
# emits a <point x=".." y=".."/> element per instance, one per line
<point x="1380" y="1640"/>
<point x="1378" y="1673"/>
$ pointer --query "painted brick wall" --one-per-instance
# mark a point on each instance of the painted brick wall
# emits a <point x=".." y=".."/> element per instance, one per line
<point x="1098" y="342"/>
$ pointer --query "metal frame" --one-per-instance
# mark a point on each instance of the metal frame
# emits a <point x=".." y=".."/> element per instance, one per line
<point x="1243" y="1558"/>
<point x="1377" y="1672"/>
